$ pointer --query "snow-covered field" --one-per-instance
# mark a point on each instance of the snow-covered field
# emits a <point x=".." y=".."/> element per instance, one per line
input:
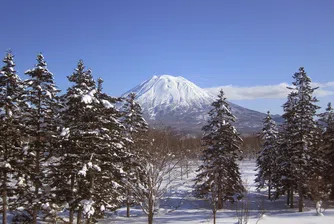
<point x="180" y="206"/>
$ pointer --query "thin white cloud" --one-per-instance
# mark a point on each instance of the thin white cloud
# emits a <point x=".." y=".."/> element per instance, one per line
<point x="278" y="91"/>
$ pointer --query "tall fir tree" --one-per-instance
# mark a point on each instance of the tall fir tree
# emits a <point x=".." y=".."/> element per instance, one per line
<point x="40" y="130"/>
<point x="11" y="104"/>
<point x="304" y="135"/>
<point x="134" y="122"/>
<point x="266" y="161"/>
<point x="92" y="147"/>
<point x="327" y="120"/>
<point x="284" y="178"/>
<point x="76" y="116"/>
<point x="111" y="154"/>
<point x="135" y="129"/>
<point x="219" y="175"/>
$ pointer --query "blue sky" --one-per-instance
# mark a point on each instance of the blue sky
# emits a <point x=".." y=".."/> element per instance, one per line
<point x="211" y="43"/>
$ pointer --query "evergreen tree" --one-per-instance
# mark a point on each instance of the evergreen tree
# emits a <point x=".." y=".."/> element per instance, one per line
<point x="303" y="157"/>
<point x="134" y="123"/>
<point x="11" y="90"/>
<point x="327" y="119"/>
<point x="40" y="129"/>
<point x="284" y="178"/>
<point x="111" y="154"/>
<point x="219" y="176"/>
<point x="93" y="147"/>
<point x="266" y="161"/>
<point x="136" y="130"/>
<point x="76" y="117"/>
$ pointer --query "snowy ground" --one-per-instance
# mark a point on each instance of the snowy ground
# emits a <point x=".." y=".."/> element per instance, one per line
<point x="181" y="207"/>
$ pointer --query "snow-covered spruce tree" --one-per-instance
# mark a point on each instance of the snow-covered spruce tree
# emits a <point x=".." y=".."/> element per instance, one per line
<point x="76" y="115"/>
<point x="134" y="123"/>
<point x="93" y="153"/>
<point x="111" y="154"/>
<point x="304" y="158"/>
<point x="284" y="178"/>
<point x="327" y="147"/>
<point x="219" y="176"/>
<point x="135" y="129"/>
<point x="40" y="131"/>
<point x="266" y="161"/>
<point x="11" y="90"/>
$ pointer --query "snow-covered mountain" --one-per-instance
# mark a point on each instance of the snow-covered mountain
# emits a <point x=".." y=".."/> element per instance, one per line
<point x="182" y="105"/>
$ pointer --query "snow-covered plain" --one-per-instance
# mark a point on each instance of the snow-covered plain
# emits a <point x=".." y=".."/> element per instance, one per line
<point x="180" y="206"/>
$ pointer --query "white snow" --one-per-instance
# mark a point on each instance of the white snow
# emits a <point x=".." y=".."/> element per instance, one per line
<point x="5" y="165"/>
<point x="89" y="98"/>
<point x="107" y="104"/>
<point x="88" y="208"/>
<point x="48" y="94"/>
<point x="97" y="168"/>
<point x="10" y="113"/>
<point x="180" y="206"/>
<point x="83" y="171"/>
<point x="65" y="132"/>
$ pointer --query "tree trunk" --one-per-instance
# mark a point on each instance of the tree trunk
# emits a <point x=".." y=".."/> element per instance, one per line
<point x="220" y="204"/>
<point x="269" y="192"/>
<point x="127" y="209"/>
<point x="71" y="216"/>
<point x="71" y="205"/>
<point x="79" y="216"/>
<point x="288" y="197"/>
<point x="35" y="211"/>
<point x="214" y="217"/>
<point x="37" y="169"/>
<point x="220" y="201"/>
<point x="127" y="203"/>
<point x="150" y="209"/>
<point x="91" y="189"/>
<point x="4" y="199"/>
<point x="169" y="173"/>
<point x="301" y="198"/>
<point x="34" y="217"/>
<point x="150" y="217"/>
<point x="181" y="170"/>
<point x="291" y="198"/>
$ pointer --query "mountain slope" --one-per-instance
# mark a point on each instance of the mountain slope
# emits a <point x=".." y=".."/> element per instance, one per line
<point x="180" y="104"/>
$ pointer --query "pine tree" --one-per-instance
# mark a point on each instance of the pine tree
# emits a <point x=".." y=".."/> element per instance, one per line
<point x="111" y="153"/>
<point x="219" y="175"/>
<point x="40" y="129"/>
<point x="134" y="123"/>
<point x="93" y="147"/>
<point x="303" y="156"/>
<point x="136" y="130"/>
<point x="11" y="90"/>
<point x="266" y="161"/>
<point x="76" y="117"/>
<point x="327" y="119"/>
<point x="284" y="177"/>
